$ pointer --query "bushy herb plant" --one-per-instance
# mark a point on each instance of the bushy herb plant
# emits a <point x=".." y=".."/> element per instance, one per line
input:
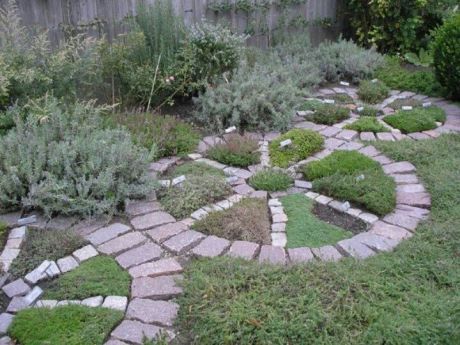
<point x="373" y="91"/>
<point x="328" y="114"/>
<point x="238" y="150"/>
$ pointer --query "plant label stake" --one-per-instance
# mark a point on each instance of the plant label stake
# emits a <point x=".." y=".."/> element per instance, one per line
<point x="426" y="104"/>
<point x="286" y="143"/>
<point x="178" y="180"/>
<point x="374" y="80"/>
<point x="329" y="101"/>
<point x="230" y="129"/>
<point x="27" y="220"/>
<point x="344" y="83"/>
<point x="360" y="109"/>
<point x="406" y="107"/>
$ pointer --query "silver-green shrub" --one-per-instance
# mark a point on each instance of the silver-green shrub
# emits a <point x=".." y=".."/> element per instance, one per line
<point x="60" y="159"/>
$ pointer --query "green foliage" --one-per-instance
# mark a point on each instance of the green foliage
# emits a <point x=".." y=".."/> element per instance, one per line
<point x="246" y="220"/>
<point x="376" y="192"/>
<point x="3" y="236"/>
<point x="342" y="162"/>
<point x="328" y="114"/>
<point x="341" y="98"/>
<point x="304" y="144"/>
<point x="447" y="55"/>
<point x="312" y="105"/>
<point x="416" y="120"/>
<point x="401" y="102"/>
<point x="99" y="276"/>
<point x="423" y="81"/>
<point x="367" y="124"/>
<point x="194" y="193"/>
<point x="424" y="58"/>
<point x="270" y="180"/>
<point x="373" y="91"/>
<point x="196" y="169"/>
<point x="43" y="245"/>
<point x="71" y="325"/>
<point x="369" y="111"/>
<point x="304" y="229"/>
<point x="238" y="150"/>
<point x="60" y="159"/>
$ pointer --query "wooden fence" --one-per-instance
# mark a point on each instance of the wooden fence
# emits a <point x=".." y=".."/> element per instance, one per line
<point x="261" y="20"/>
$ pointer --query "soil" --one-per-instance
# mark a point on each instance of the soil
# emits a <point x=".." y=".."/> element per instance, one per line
<point x="340" y="219"/>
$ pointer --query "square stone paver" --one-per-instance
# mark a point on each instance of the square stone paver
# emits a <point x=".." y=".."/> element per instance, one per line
<point x="159" y="288"/>
<point x="5" y="322"/>
<point x="376" y="242"/>
<point x="272" y="255"/>
<point x="136" y="332"/>
<point x="137" y="208"/>
<point x="279" y="239"/>
<point x="300" y="255"/>
<point x="85" y="253"/>
<point x="86" y="227"/>
<point x="327" y="253"/>
<point x="347" y="134"/>
<point x="402" y="219"/>
<point x="369" y="151"/>
<point x="411" y="188"/>
<point x="405" y="178"/>
<point x="152" y="220"/>
<point x="333" y="143"/>
<point x="121" y="243"/>
<point x="16" y="288"/>
<point x="330" y="131"/>
<point x="139" y="255"/>
<point x="107" y="233"/>
<point x="211" y="246"/>
<point x="67" y="264"/>
<point x="161" y="313"/>
<point x="385" y="136"/>
<point x="243" y="249"/>
<point x="279" y="227"/>
<point x="355" y="248"/>
<point x="412" y="211"/>
<point x="367" y="136"/>
<point x="93" y="302"/>
<point x="161" y="267"/>
<point x="184" y="241"/>
<point x="116" y="302"/>
<point x="414" y="199"/>
<point x="389" y="231"/>
<point x="162" y="233"/>
<point x="243" y="189"/>
<point x="399" y="168"/>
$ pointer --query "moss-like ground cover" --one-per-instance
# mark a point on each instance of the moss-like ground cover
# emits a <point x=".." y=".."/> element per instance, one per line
<point x="69" y="325"/>
<point x="195" y="169"/>
<point x="328" y="114"/>
<point x="304" y="229"/>
<point x="100" y="275"/>
<point x="238" y="150"/>
<point x="416" y="120"/>
<point x="409" y="296"/>
<point x="367" y="124"/>
<point x="270" y="180"/>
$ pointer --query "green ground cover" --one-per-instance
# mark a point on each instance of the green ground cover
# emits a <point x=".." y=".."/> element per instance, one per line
<point x="367" y="124"/>
<point x="270" y="180"/>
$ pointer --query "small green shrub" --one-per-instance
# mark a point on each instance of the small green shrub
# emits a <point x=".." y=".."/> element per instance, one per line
<point x="246" y="220"/>
<point x="376" y="192"/>
<point x="372" y="92"/>
<point x="446" y="57"/>
<point x="99" y="276"/>
<point x="402" y="102"/>
<point x="43" y="245"/>
<point x="60" y="159"/>
<point x="341" y="98"/>
<point x="238" y="150"/>
<point x="270" y="180"/>
<point x="416" y="120"/>
<point x="70" y="325"/>
<point x="312" y="104"/>
<point x="328" y="114"/>
<point x="304" y="144"/>
<point x="369" y="111"/>
<point x="194" y="193"/>
<point x="3" y="236"/>
<point x="342" y="162"/>
<point x="367" y="124"/>
<point x="196" y="169"/>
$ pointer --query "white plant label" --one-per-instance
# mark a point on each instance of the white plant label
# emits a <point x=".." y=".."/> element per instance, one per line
<point x="426" y="104"/>
<point x="344" y="83"/>
<point x="285" y="143"/>
<point x="178" y="180"/>
<point x="360" y="109"/>
<point x="374" y="80"/>
<point x="406" y="107"/>
<point x="230" y="129"/>
<point x="329" y="101"/>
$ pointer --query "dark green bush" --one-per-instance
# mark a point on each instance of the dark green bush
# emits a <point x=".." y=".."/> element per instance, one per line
<point x="312" y="104"/>
<point x="328" y="114"/>
<point x="416" y="120"/>
<point x="446" y="57"/>
<point x="341" y="98"/>
<point x="196" y="169"/>
<point x="372" y="92"/>
<point x="304" y="144"/>
<point x="367" y="124"/>
<point x="270" y="180"/>
<point x="342" y="162"/>
<point x="400" y="102"/>
<point x="369" y="111"/>
<point x="238" y="150"/>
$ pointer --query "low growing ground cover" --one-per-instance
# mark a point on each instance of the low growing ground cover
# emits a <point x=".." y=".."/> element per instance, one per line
<point x="70" y="325"/>
<point x="416" y="120"/>
<point x="304" y="143"/>
<point x="270" y="180"/>
<point x="99" y="276"/>
<point x="328" y="114"/>
<point x="405" y="297"/>
<point x="195" y="169"/>
<point x="367" y="124"/>
<point x="304" y="229"/>
<point x="238" y="150"/>
<point x="351" y="176"/>
<point x="369" y="110"/>
<point x="405" y="102"/>
<point x="3" y="235"/>
<point x="341" y="98"/>
<point x="43" y="245"/>
<point x="246" y="220"/>
<point x="311" y="104"/>
<point x="372" y="91"/>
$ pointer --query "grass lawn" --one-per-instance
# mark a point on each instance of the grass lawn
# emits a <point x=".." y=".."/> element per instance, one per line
<point x="69" y="325"/>
<point x="97" y="276"/>
<point x="409" y="296"/>
<point x="304" y="229"/>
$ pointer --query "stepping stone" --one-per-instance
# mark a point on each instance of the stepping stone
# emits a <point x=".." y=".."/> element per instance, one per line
<point x="414" y="199"/>
<point x="382" y="159"/>
<point x="432" y="133"/>
<point x="390" y="231"/>
<point x="53" y="270"/>
<point x="302" y="184"/>
<point x="199" y="214"/>
<point x="243" y="189"/>
<point x="139" y="255"/>
<point x="141" y="207"/>
<point x="18" y="233"/>
<point x="367" y="136"/>
<point x="122" y="243"/>
<point x="17" y="304"/>
<point x="415" y="212"/>
<point x="157" y="268"/>
<point x="333" y="143"/>
<point x="405" y="178"/>
<point x="5" y="322"/>
<point x="135" y="332"/>
<point x="279" y="239"/>
<point x="67" y="264"/>
<point x="324" y="200"/>
<point x="278" y="227"/>
<point x="162" y="313"/>
<point x="85" y="253"/>
<point x="402" y="219"/>
<point x="33" y="295"/>
<point x="47" y="303"/>
<point x="16" y="288"/>
<point x="276" y="210"/>
<point x="411" y="188"/>
<point x="93" y="302"/>
<point x="243" y="249"/>
<point x="300" y="255"/>
<point x="211" y="246"/>
<point x="385" y="136"/>
<point x="369" y="151"/>
<point x="166" y="231"/>
<point x="279" y="218"/>
<point x="347" y="134"/>
<point x="116" y="303"/>
<point x="419" y="136"/>
<point x="311" y="195"/>
<point x="399" y="168"/>
<point x="115" y="342"/>
<point x="355" y="212"/>
<point x="272" y="255"/>
<point x="259" y="194"/>
<point x="107" y="233"/>
<point x="376" y="242"/>
<point x="330" y="131"/>
<point x="151" y="220"/>
<point x="355" y="248"/>
<point x="183" y="241"/>
<point x="350" y="146"/>
<point x="38" y="273"/>
<point x="368" y="217"/>
<point x="327" y="253"/>
<point x="163" y="287"/>
<point x="88" y="226"/>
